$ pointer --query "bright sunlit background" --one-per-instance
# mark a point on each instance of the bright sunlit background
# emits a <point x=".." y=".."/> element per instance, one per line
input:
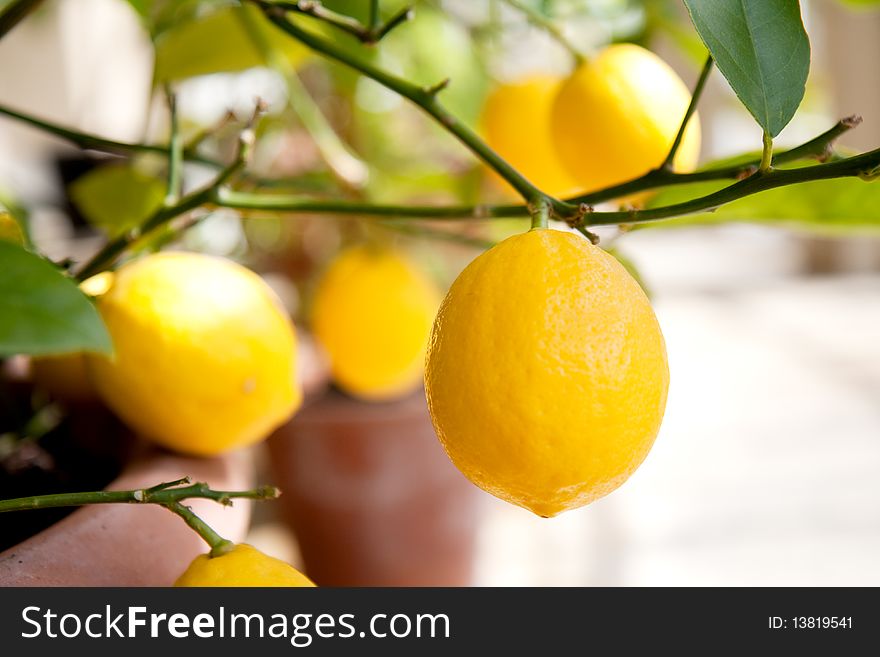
<point x="765" y="470"/>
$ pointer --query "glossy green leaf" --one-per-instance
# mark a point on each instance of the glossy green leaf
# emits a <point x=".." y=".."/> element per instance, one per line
<point x="42" y="311"/>
<point x="218" y="42"/>
<point x="762" y="49"/>
<point x="117" y="197"/>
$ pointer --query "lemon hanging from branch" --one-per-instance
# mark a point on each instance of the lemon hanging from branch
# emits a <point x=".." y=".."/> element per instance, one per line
<point x="546" y="374"/>
<point x="204" y="356"/>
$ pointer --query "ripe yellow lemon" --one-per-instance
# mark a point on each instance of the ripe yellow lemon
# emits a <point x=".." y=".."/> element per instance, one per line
<point x="515" y="122"/>
<point x="372" y="314"/>
<point x="546" y="375"/>
<point x="617" y="115"/>
<point x="204" y="354"/>
<point x="243" y="565"/>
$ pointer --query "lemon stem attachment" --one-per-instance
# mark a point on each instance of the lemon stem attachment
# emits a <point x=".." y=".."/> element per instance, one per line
<point x="540" y="211"/>
<point x="766" y="154"/>
<point x="219" y="545"/>
<point x="168" y="494"/>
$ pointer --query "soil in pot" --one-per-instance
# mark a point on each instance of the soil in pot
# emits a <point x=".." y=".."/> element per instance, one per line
<point x="371" y="495"/>
<point x="49" y="448"/>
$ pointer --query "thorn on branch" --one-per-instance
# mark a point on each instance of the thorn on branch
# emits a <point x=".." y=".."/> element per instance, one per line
<point x="402" y="16"/>
<point x="435" y="89"/>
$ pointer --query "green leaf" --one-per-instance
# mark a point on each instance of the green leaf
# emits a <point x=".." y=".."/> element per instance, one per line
<point x="218" y="42"/>
<point x="116" y="197"/>
<point x="42" y="311"/>
<point x="824" y="206"/>
<point x="762" y="49"/>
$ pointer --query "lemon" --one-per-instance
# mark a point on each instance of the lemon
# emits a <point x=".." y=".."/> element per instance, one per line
<point x="243" y="565"/>
<point x="546" y="374"/>
<point x="204" y="355"/>
<point x="372" y="315"/>
<point x="617" y="115"/>
<point x="515" y="122"/>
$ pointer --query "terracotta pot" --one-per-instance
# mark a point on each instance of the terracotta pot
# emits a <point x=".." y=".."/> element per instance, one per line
<point x="131" y="545"/>
<point x="372" y="497"/>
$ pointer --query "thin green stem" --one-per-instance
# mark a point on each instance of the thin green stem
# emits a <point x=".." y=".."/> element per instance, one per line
<point x="865" y="166"/>
<point x="168" y="495"/>
<point x="163" y="494"/>
<point x="540" y="212"/>
<point x="296" y="204"/>
<point x="402" y="16"/>
<point x="425" y="98"/>
<point x="766" y="154"/>
<point x="542" y="22"/>
<point x="105" y="258"/>
<point x="218" y="544"/>
<point x="375" y="18"/>
<point x="692" y="107"/>
<point x="371" y="33"/>
<point x="818" y="148"/>
<point x="15" y="12"/>
<point x="175" y="154"/>
<point x="93" y="142"/>
<point x="315" y="9"/>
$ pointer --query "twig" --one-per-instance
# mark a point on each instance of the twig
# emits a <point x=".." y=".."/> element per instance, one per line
<point x="691" y="108"/>
<point x="766" y="153"/>
<point x="424" y="99"/>
<point x="168" y="495"/>
<point x="94" y="142"/>
<point x="367" y="34"/>
<point x="175" y="153"/>
<point x="108" y="254"/>
<point x="15" y="12"/>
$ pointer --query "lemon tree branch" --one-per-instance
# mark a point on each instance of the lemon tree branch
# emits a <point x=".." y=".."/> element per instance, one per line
<point x="865" y="166"/>
<point x="691" y="108"/>
<point x="168" y="495"/>
<point x="105" y="258"/>
<point x="94" y="142"/>
<point x="817" y="148"/>
<point x="15" y="12"/>
<point x="368" y="34"/>
<point x="425" y="98"/>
